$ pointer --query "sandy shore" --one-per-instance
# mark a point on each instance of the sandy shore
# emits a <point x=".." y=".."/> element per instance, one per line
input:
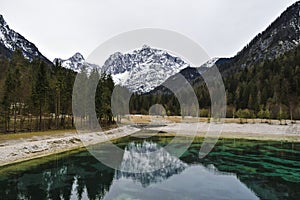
<point x="18" y="150"/>
<point x="13" y="151"/>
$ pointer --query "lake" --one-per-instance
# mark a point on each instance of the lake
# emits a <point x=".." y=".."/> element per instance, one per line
<point x="235" y="169"/>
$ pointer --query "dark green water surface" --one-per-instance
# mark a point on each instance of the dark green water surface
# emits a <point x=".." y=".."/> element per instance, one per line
<point x="235" y="169"/>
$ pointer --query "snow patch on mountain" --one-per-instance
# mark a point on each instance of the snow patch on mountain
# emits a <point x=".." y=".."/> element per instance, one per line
<point x="210" y="63"/>
<point x="118" y="78"/>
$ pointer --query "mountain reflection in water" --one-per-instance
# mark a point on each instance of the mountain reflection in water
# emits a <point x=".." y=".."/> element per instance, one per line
<point x="174" y="180"/>
<point x="81" y="176"/>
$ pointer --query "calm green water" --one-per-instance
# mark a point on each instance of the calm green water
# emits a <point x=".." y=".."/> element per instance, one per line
<point x="235" y="169"/>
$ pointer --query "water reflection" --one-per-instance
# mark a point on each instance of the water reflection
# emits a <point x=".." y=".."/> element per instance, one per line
<point x="177" y="180"/>
<point x="148" y="163"/>
<point x="224" y="174"/>
<point x="195" y="182"/>
<point x="79" y="177"/>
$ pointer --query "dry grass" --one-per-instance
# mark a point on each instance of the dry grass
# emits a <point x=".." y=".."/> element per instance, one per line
<point x="148" y="119"/>
<point x="25" y="135"/>
<point x="179" y="119"/>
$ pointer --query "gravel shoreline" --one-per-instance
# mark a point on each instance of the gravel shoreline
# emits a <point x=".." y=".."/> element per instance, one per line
<point x="252" y="131"/>
<point x="19" y="150"/>
<point x="13" y="151"/>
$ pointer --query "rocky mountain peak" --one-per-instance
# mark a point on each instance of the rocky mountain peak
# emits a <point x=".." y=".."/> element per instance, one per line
<point x="2" y="21"/>
<point x="78" y="56"/>
<point x="76" y="63"/>
<point x="143" y="69"/>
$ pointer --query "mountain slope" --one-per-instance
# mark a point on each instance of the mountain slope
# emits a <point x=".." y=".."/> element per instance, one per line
<point x="11" y="40"/>
<point x="280" y="37"/>
<point x="191" y="74"/>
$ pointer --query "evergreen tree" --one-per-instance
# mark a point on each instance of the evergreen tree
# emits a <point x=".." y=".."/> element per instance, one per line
<point x="40" y="91"/>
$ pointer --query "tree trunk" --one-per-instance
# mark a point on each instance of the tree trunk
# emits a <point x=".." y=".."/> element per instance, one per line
<point x="15" y="118"/>
<point x="29" y="122"/>
<point x="58" y="110"/>
<point x="37" y="123"/>
<point x="72" y="121"/>
<point x="7" y="120"/>
<point x="40" y="123"/>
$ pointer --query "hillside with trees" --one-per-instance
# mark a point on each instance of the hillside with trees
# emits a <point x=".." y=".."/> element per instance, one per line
<point x="36" y="96"/>
<point x="268" y="90"/>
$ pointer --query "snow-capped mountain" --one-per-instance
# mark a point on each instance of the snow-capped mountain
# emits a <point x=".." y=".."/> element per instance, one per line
<point x="11" y="40"/>
<point x="139" y="71"/>
<point x="144" y="69"/>
<point x="76" y="63"/>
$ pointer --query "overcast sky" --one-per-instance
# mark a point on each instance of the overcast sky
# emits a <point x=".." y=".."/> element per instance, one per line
<point x="59" y="28"/>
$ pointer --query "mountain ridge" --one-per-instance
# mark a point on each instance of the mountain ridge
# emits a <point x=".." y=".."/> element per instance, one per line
<point x="281" y="36"/>
<point x="291" y="14"/>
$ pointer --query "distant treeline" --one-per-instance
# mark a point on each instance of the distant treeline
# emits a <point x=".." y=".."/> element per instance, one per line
<point x="35" y="96"/>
